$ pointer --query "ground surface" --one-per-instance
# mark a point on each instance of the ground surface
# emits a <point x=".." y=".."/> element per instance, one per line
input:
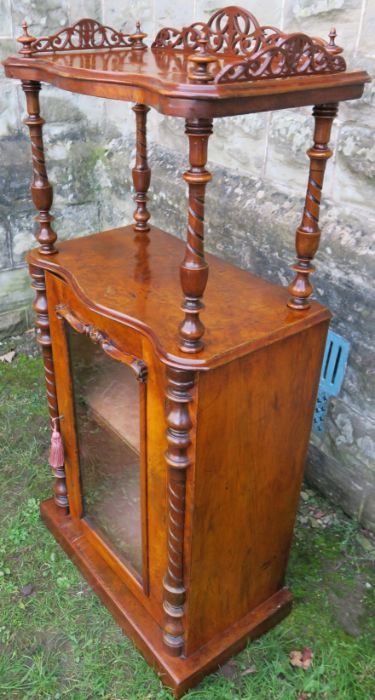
<point x="57" y="641"/>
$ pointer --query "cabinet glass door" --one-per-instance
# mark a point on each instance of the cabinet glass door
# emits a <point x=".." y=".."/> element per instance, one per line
<point x="108" y="421"/>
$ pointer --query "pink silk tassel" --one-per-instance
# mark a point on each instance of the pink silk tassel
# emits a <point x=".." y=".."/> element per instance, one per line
<point x="56" y="453"/>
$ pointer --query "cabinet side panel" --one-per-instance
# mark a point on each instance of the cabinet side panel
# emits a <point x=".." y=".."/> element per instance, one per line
<point x="254" y="422"/>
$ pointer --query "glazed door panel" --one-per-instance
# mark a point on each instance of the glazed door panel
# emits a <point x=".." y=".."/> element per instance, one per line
<point x="107" y="407"/>
<point x="102" y="392"/>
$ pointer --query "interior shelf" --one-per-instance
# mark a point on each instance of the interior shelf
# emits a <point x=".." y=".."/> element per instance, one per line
<point x="117" y="411"/>
<point x="110" y="473"/>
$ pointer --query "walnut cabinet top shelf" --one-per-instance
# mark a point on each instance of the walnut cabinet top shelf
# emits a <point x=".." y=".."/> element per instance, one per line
<point x="227" y="66"/>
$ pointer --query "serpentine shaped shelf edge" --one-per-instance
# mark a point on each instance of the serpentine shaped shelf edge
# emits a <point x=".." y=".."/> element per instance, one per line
<point x="260" y="305"/>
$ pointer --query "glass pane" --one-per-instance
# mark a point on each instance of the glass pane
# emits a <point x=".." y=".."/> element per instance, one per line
<point x="106" y="399"/>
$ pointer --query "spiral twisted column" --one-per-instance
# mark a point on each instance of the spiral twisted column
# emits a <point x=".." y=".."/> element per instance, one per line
<point x="141" y="172"/>
<point x="194" y="268"/>
<point x="41" y="189"/>
<point x="179" y="424"/>
<point x="40" y="307"/>
<point x="308" y="233"/>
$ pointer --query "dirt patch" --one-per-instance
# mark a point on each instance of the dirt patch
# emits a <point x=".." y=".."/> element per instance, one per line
<point x="24" y="344"/>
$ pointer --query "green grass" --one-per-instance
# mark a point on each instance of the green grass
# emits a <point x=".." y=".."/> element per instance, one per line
<point x="59" y="642"/>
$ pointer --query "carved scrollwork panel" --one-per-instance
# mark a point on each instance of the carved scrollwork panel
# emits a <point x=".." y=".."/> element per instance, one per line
<point x="295" y="54"/>
<point x="230" y="30"/>
<point x="84" y="34"/>
<point x="262" y="51"/>
<point x="98" y="337"/>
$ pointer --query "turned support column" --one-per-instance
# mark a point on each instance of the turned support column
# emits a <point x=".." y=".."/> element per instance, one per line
<point x="40" y="307"/>
<point x="194" y="268"/>
<point x="41" y="190"/>
<point x="308" y="233"/>
<point x="141" y="172"/>
<point x="179" y="424"/>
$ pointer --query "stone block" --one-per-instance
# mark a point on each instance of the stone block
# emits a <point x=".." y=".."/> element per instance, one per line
<point x="124" y="16"/>
<point x="75" y="177"/>
<point x="236" y="142"/>
<point x="357" y="150"/>
<point x="290" y="134"/>
<point x="351" y="436"/>
<point x="77" y="220"/>
<point x="43" y="18"/>
<point x="350" y="487"/>
<point x="267" y="12"/>
<point x="15" y="173"/>
<point x="172" y="14"/>
<point x="8" y="46"/>
<point x="5" y="259"/>
<point x="170" y="132"/>
<point x="355" y="170"/>
<point x="119" y="120"/>
<point x="116" y="200"/>
<point x="240" y="143"/>
<point x="366" y="40"/>
<point x="317" y="17"/>
<point x="14" y="321"/>
<point x="5" y="19"/>
<point x="9" y="108"/>
<point x="15" y="290"/>
<point x="361" y="111"/>
<point x="80" y="9"/>
<point x="22" y="233"/>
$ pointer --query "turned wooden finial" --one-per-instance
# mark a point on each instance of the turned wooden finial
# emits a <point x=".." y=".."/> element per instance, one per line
<point x="26" y="40"/>
<point x="137" y="38"/>
<point x="202" y="59"/>
<point x="332" y="46"/>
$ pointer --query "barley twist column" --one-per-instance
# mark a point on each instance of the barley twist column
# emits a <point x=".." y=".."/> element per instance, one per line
<point x="179" y="424"/>
<point x="141" y="172"/>
<point x="43" y="338"/>
<point x="41" y="190"/>
<point x="308" y="233"/>
<point x="194" y="268"/>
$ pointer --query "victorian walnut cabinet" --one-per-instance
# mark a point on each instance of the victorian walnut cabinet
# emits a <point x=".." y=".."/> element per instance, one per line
<point x="179" y="432"/>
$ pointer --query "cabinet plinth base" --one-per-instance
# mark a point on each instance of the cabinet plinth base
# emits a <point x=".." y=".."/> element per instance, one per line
<point x="181" y="673"/>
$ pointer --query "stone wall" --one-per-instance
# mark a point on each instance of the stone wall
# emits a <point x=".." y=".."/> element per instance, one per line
<point x="260" y="169"/>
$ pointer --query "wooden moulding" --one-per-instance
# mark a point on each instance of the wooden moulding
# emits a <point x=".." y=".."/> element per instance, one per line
<point x="178" y="673"/>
